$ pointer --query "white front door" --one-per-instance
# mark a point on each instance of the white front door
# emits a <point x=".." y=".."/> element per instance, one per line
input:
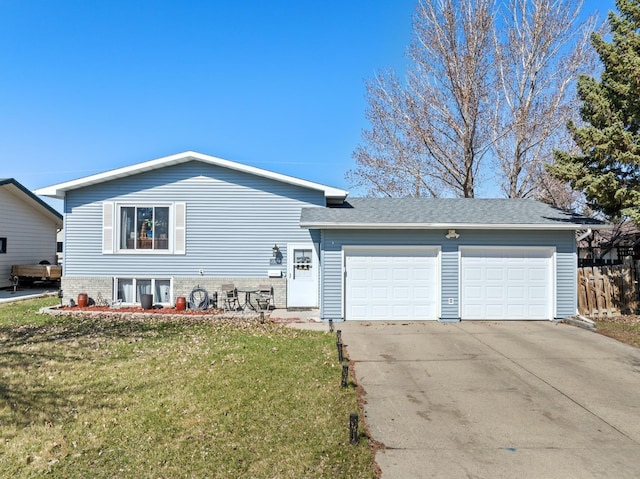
<point x="302" y="282"/>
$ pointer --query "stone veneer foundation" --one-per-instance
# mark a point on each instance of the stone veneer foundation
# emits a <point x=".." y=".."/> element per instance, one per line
<point x="102" y="287"/>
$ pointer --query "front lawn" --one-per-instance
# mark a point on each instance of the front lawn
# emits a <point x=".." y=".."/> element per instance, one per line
<point x="166" y="399"/>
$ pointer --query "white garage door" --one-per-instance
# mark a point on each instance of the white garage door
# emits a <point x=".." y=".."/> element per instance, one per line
<point x="506" y="283"/>
<point x="388" y="284"/>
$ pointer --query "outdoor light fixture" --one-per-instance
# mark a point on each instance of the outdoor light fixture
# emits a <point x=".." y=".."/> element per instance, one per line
<point x="452" y="234"/>
<point x="340" y="351"/>
<point x="277" y="255"/>
<point x="60" y="295"/>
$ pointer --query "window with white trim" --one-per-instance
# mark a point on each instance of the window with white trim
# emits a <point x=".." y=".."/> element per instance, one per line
<point x="130" y="290"/>
<point x="143" y="228"/>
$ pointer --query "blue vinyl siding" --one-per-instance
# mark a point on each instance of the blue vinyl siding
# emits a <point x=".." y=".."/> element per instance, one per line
<point x="233" y="219"/>
<point x="333" y="268"/>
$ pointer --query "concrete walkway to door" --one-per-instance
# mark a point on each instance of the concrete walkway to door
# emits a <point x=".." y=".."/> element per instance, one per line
<point x="498" y="399"/>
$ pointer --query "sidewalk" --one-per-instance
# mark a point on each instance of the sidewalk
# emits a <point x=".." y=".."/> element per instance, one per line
<point x="8" y="295"/>
<point x="300" y="319"/>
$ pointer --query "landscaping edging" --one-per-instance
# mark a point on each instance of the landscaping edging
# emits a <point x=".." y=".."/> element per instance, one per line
<point x="114" y="314"/>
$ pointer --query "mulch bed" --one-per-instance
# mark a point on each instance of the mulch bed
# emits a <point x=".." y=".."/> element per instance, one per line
<point x="164" y="313"/>
<point x="138" y="309"/>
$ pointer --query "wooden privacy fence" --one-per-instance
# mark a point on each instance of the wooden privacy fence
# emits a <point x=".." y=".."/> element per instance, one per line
<point x="605" y="291"/>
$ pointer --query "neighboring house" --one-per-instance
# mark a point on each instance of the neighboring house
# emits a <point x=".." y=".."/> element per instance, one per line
<point x="170" y="225"/>
<point x="610" y="246"/>
<point x="60" y="246"/>
<point x="28" y="228"/>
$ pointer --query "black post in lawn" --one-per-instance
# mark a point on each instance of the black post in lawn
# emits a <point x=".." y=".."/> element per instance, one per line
<point x="345" y="375"/>
<point x="353" y="428"/>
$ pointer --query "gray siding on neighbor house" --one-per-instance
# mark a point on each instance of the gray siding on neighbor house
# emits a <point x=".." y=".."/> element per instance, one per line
<point x="31" y="236"/>
<point x="335" y="240"/>
<point x="233" y="219"/>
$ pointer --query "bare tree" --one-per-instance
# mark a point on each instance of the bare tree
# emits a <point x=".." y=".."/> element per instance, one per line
<point x="429" y="133"/>
<point x="539" y="54"/>
<point x="483" y="78"/>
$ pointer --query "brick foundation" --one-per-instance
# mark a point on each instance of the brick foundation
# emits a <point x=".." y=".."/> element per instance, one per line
<point x="101" y="286"/>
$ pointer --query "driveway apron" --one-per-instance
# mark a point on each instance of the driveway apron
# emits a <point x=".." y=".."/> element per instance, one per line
<point x="497" y="399"/>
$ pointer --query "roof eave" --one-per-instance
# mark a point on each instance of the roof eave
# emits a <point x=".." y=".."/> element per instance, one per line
<point x="461" y="226"/>
<point x="36" y="202"/>
<point x="59" y="190"/>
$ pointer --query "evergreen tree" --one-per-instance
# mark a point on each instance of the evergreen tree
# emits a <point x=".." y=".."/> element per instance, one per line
<point x="607" y="167"/>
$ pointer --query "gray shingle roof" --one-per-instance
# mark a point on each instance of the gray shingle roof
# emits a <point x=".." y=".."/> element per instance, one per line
<point x="443" y="212"/>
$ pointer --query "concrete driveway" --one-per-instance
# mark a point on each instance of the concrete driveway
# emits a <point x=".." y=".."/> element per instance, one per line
<point x="498" y="399"/>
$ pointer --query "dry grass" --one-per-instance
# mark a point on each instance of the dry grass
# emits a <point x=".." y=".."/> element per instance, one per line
<point x="623" y="328"/>
<point x="97" y="398"/>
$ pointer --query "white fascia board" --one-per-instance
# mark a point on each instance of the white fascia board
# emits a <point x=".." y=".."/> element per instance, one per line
<point x="438" y="226"/>
<point x="59" y="190"/>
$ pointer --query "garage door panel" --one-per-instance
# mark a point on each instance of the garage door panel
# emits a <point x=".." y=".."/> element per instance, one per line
<point x="516" y="311"/>
<point x="379" y="274"/>
<point x="474" y="273"/>
<point x="401" y="293"/>
<point x="516" y="274"/>
<point x="491" y="310"/>
<point x="375" y="293"/>
<point x="359" y="274"/>
<point x="391" y="284"/>
<point x="494" y="292"/>
<point x="400" y="274"/>
<point x="359" y="292"/>
<point x="537" y="274"/>
<point x="495" y="274"/>
<point x="422" y="274"/>
<point x="537" y="292"/>
<point x="506" y="283"/>
<point x="516" y="293"/>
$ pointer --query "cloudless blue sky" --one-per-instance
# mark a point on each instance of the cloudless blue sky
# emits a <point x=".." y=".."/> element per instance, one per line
<point x="88" y="86"/>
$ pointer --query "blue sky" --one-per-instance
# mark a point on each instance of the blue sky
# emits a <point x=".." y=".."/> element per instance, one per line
<point x="88" y="86"/>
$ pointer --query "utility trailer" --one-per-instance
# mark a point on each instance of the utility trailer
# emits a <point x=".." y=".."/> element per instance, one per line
<point x="28" y="273"/>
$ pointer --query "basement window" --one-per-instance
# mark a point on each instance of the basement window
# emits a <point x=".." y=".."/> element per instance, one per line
<point x="130" y="290"/>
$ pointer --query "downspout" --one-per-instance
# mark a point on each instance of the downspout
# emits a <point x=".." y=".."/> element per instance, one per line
<point x="578" y="239"/>
<point x="584" y="235"/>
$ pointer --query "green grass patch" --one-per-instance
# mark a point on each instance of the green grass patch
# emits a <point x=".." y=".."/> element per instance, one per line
<point x="157" y="398"/>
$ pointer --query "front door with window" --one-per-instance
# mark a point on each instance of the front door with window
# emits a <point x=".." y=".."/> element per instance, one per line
<point x="302" y="281"/>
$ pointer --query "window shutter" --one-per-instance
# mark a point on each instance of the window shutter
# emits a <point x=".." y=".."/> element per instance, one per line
<point x="107" y="227"/>
<point x="180" y="221"/>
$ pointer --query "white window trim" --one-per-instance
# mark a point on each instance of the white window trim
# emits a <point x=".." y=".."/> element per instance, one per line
<point x="176" y="229"/>
<point x="144" y="278"/>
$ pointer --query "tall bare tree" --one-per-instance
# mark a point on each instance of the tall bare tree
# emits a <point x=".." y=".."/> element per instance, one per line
<point x="541" y="48"/>
<point x="429" y="133"/>
<point x="483" y="78"/>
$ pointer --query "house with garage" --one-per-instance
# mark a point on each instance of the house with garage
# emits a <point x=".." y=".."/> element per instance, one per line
<point x="167" y="226"/>
<point x="28" y="228"/>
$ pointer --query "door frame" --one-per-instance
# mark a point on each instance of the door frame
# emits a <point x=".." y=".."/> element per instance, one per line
<point x="315" y="263"/>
